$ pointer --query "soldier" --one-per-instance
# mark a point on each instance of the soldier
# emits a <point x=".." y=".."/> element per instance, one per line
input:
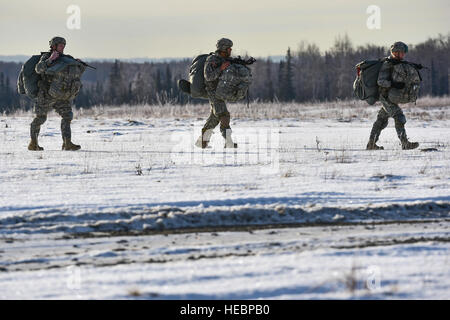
<point x="44" y="102"/>
<point x="390" y="109"/>
<point x="214" y="65"/>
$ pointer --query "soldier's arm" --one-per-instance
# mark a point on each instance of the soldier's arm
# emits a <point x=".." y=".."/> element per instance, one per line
<point x="385" y="75"/>
<point x="43" y="63"/>
<point x="212" y="69"/>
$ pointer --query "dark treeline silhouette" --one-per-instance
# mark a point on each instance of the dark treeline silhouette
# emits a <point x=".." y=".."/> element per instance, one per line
<point x="304" y="75"/>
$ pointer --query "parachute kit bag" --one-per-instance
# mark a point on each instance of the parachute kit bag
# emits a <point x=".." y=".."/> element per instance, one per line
<point x="197" y="77"/>
<point x="234" y="83"/>
<point x="408" y="74"/>
<point x="27" y="83"/>
<point x="66" y="82"/>
<point x="365" y="85"/>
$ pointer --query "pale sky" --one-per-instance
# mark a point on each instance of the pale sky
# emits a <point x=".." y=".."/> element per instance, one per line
<point x="176" y="28"/>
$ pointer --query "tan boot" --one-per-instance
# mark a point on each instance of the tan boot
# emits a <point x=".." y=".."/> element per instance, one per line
<point x="34" y="146"/>
<point x="200" y="143"/>
<point x="203" y="140"/>
<point x="406" y="145"/>
<point x="229" y="143"/>
<point x="69" y="146"/>
<point x="226" y="132"/>
<point x="373" y="146"/>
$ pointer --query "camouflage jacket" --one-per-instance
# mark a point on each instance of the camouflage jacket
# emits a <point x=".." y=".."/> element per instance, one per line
<point x="41" y="67"/>
<point x="385" y="75"/>
<point x="212" y="71"/>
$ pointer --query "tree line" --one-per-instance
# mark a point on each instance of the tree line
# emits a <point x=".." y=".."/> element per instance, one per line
<point x="303" y="75"/>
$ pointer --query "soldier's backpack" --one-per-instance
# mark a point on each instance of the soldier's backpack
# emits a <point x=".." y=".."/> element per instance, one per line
<point x="27" y="82"/>
<point x="365" y="86"/>
<point x="66" y="82"/>
<point x="234" y="83"/>
<point x="197" y="76"/>
<point x="408" y="74"/>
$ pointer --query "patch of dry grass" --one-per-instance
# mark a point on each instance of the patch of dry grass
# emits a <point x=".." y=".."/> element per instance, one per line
<point x="426" y="108"/>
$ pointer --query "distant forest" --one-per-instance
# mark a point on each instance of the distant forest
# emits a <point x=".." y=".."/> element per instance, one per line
<point x="304" y="75"/>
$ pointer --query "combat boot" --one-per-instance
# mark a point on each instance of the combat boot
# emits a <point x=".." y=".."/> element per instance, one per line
<point x="229" y="143"/>
<point x="406" y="145"/>
<point x="69" y="146"/>
<point x="34" y="146"/>
<point x="200" y="143"/>
<point x="373" y="146"/>
<point x="203" y="140"/>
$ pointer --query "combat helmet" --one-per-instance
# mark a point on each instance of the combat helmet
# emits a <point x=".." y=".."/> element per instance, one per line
<point x="223" y="44"/>
<point x="399" y="46"/>
<point x="56" y="40"/>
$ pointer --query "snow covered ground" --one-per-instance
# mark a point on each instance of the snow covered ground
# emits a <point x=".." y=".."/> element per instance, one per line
<point x="339" y="262"/>
<point x="299" y="210"/>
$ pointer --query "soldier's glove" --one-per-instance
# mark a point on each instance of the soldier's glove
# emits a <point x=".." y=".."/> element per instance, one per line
<point x="397" y="85"/>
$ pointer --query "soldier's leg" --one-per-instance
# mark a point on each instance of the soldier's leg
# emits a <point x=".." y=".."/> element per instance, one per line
<point x="221" y="112"/>
<point x="380" y="124"/>
<point x="225" y="130"/>
<point x="400" y="121"/>
<point x="207" y="130"/>
<point x="211" y="122"/>
<point x="396" y="112"/>
<point x="64" y="109"/>
<point x="41" y="111"/>
<point x="35" y="126"/>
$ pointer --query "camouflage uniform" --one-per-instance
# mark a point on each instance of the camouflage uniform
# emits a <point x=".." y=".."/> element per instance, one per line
<point x="44" y="103"/>
<point x="219" y="112"/>
<point x="389" y="109"/>
<point x="218" y="107"/>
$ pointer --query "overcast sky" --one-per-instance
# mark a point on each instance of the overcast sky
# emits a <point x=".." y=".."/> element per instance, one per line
<point x="183" y="28"/>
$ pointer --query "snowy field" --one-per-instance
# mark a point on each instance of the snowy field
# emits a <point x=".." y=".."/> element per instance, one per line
<point x="300" y="210"/>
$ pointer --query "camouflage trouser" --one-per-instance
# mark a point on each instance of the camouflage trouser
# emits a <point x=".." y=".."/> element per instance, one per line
<point x="42" y="106"/>
<point x="219" y="114"/>
<point x="389" y="109"/>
